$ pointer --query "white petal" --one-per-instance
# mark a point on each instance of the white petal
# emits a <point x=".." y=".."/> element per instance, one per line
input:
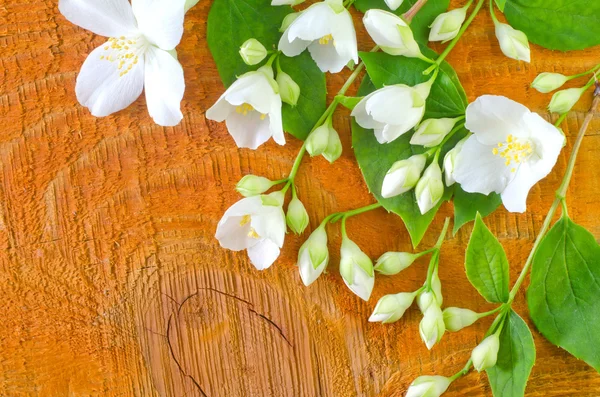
<point x="392" y="105"/>
<point x="263" y="254"/>
<point x="246" y="206"/>
<point x="254" y="89"/>
<point x="249" y="131"/>
<point x="275" y="121"/>
<point x="344" y="36"/>
<point x="326" y="57"/>
<point x="362" y="117"/>
<point x="313" y="23"/>
<point x="161" y="21"/>
<point x="308" y="273"/>
<point x="478" y="170"/>
<point x="164" y="86"/>
<point x="492" y="118"/>
<point x="382" y="26"/>
<point x="270" y="224"/>
<point x="363" y="284"/>
<point x="232" y="234"/>
<point x="292" y="48"/>
<point x="514" y="197"/>
<point x="102" y="89"/>
<point x="108" y="18"/>
<point x="394" y="4"/>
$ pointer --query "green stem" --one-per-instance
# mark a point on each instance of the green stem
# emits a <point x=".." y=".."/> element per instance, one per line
<point x="410" y="14"/>
<point x="592" y="70"/>
<point x="485" y="314"/>
<point x="560" y="120"/>
<point x="463" y="371"/>
<point x="436" y="252"/>
<point x="455" y="40"/>
<point x="362" y="210"/>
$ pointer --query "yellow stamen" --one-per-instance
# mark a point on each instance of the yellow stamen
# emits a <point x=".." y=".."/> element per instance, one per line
<point x="253" y="233"/>
<point x="245" y="220"/>
<point x="325" y="39"/>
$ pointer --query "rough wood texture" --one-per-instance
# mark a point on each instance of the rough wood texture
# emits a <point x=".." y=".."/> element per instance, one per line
<point x="112" y="281"/>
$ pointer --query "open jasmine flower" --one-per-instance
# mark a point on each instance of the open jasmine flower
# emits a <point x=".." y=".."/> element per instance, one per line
<point x="136" y="56"/>
<point x="255" y="224"/>
<point x="326" y="29"/>
<point x="511" y="150"/>
<point x="251" y="107"/>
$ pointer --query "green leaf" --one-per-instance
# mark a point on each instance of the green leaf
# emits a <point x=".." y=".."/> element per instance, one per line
<point x="486" y="264"/>
<point x="422" y="20"/>
<point x="564" y="290"/>
<point x="516" y="357"/>
<point x="467" y="205"/>
<point x="557" y="24"/>
<point x="447" y="99"/>
<point x="501" y="4"/>
<point x="232" y="22"/>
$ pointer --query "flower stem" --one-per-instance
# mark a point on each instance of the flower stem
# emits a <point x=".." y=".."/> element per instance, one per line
<point x="455" y="40"/>
<point x="410" y="14"/>
<point x="592" y="70"/>
<point x="436" y="252"/>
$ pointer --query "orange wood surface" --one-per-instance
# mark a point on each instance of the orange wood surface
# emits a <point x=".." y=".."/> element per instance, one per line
<point x="113" y="284"/>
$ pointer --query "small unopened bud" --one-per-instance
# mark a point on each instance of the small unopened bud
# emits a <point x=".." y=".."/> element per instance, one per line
<point x="432" y="132"/>
<point x="456" y="318"/>
<point x="296" y="217"/>
<point x="287" y="21"/>
<point x="334" y="146"/>
<point x="426" y="299"/>
<point x="356" y="269"/>
<point x="485" y="355"/>
<point x="288" y="89"/>
<point x="403" y="176"/>
<point x="436" y="287"/>
<point x="286" y="2"/>
<point x="317" y="141"/>
<point x="391" y="33"/>
<point x="428" y="386"/>
<point x="253" y="52"/>
<point x="450" y="162"/>
<point x="432" y="326"/>
<point x="394" y="4"/>
<point x="513" y="43"/>
<point x="391" y="308"/>
<point x="252" y="185"/>
<point x="446" y="26"/>
<point x="548" y="82"/>
<point x="563" y="101"/>
<point x="430" y="189"/>
<point x="313" y="256"/>
<point x="392" y="263"/>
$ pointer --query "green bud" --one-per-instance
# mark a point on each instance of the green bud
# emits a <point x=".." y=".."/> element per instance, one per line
<point x="287" y="21"/>
<point x="313" y="256"/>
<point x="432" y="328"/>
<point x="317" y="141"/>
<point x="392" y="263"/>
<point x="403" y="176"/>
<point x="334" y="146"/>
<point x="252" y="185"/>
<point x="428" y="386"/>
<point x="391" y="308"/>
<point x="563" y="101"/>
<point x="432" y="132"/>
<point x="253" y="52"/>
<point x="430" y="189"/>
<point x="548" y="82"/>
<point x="485" y="355"/>
<point x="274" y="199"/>
<point x="297" y="217"/>
<point x="356" y="269"/>
<point x="288" y="89"/>
<point x="456" y="318"/>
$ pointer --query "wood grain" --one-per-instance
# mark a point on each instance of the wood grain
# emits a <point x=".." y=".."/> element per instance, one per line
<point x="114" y="285"/>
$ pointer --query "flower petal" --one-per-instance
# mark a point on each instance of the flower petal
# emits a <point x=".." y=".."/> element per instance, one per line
<point x="492" y="118"/>
<point x="160" y="21"/>
<point x="478" y="170"/>
<point x="263" y="254"/>
<point x="313" y="23"/>
<point x="101" y="87"/>
<point x="270" y="224"/>
<point x="382" y="26"/>
<point x="108" y="18"/>
<point x="164" y="86"/>
<point x="233" y="234"/>
<point x="292" y="47"/>
<point x="344" y="36"/>
<point x="393" y="105"/>
<point x="326" y="57"/>
<point x="249" y="131"/>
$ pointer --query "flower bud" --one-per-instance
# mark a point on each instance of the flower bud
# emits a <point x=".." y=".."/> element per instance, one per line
<point x="287" y="21"/>
<point x="297" y="217"/>
<point x="253" y="52"/>
<point x="288" y="89"/>
<point x="391" y="33"/>
<point x="394" y="4"/>
<point x="485" y="355"/>
<point x="430" y="189"/>
<point x="286" y="2"/>
<point x="403" y="176"/>
<point x="356" y="269"/>
<point x="436" y="288"/>
<point x="563" y="101"/>
<point x="432" y="132"/>
<point x="446" y="26"/>
<point x="432" y="326"/>
<point x="428" y="386"/>
<point x="548" y="82"/>
<point x="252" y="185"/>
<point x="456" y="318"/>
<point x="334" y="146"/>
<point x="391" y="308"/>
<point x="392" y="263"/>
<point x="317" y="141"/>
<point x="450" y="162"/>
<point x="426" y="299"/>
<point x="513" y="43"/>
<point x="313" y="256"/>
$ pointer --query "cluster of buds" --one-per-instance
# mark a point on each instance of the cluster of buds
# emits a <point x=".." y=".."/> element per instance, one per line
<point x="324" y="140"/>
<point x="562" y="101"/>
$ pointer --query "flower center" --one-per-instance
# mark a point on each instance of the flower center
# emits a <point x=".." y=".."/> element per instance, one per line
<point x="245" y="108"/>
<point x="514" y="150"/>
<point x="252" y="233"/>
<point x="326" y="39"/>
<point x="124" y="52"/>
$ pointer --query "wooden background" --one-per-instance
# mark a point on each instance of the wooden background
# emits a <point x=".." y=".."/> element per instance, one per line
<point x="112" y="281"/>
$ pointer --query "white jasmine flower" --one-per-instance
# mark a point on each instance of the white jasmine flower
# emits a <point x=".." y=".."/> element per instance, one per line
<point x="251" y="107"/>
<point x="313" y="256"/>
<point x="391" y="308"/>
<point x="136" y="57"/>
<point x="255" y="224"/>
<point x="511" y="149"/>
<point x="392" y="111"/>
<point x="485" y="355"/>
<point x="450" y="161"/>
<point x="428" y="386"/>
<point x="391" y="33"/>
<point x="326" y="29"/>
<point x="356" y="269"/>
<point x="548" y="82"/>
<point x="446" y="26"/>
<point x="403" y="176"/>
<point x="513" y="43"/>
